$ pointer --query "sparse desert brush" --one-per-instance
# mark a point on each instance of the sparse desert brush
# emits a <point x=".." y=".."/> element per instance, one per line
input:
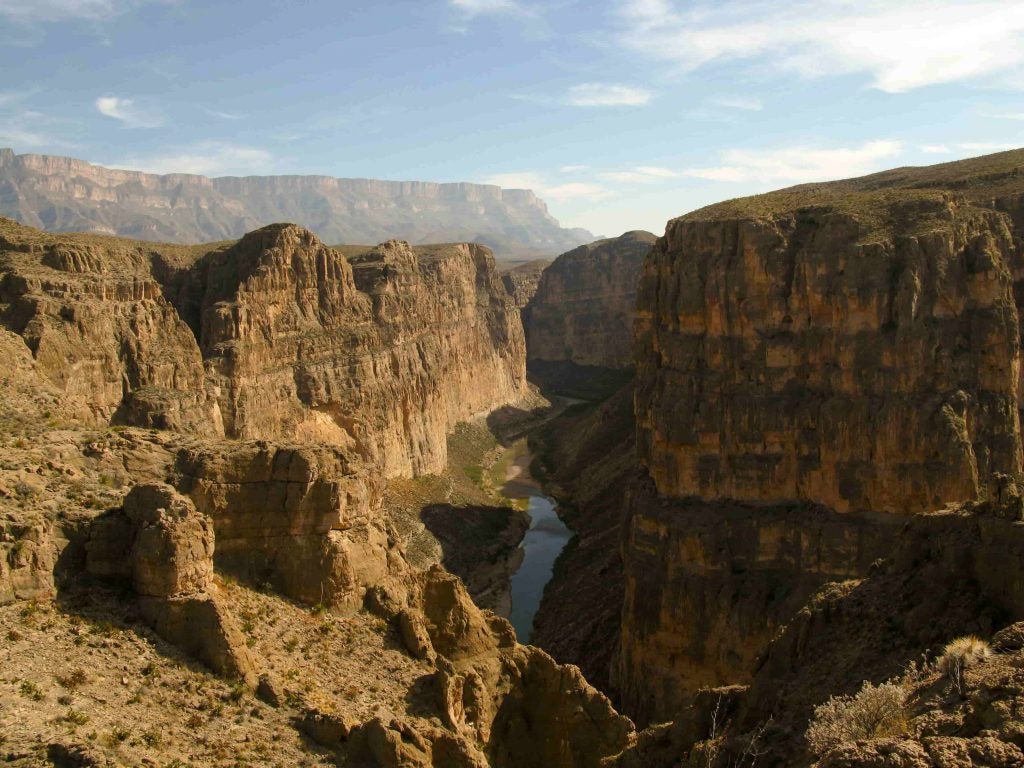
<point x="30" y="690"/>
<point x="875" y="711"/>
<point x="73" y="680"/>
<point x="960" y="654"/>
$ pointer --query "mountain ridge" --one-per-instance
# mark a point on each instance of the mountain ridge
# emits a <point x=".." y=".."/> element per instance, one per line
<point x="65" y="194"/>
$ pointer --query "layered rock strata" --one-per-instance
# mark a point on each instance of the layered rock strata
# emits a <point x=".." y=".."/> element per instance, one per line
<point x="521" y="281"/>
<point x="288" y="341"/>
<point x="62" y="194"/>
<point x="583" y="308"/>
<point x="812" y="365"/>
<point x="100" y="328"/>
<point x="855" y="350"/>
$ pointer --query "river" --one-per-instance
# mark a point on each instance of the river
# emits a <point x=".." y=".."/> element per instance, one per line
<point x="541" y="545"/>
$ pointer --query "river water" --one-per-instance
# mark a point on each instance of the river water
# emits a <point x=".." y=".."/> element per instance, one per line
<point x="541" y="545"/>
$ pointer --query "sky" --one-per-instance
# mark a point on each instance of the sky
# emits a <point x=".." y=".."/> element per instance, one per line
<point x="620" y="114"/>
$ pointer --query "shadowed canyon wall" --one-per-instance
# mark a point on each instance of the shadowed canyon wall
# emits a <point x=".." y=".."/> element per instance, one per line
<point x="583" y="309"/>
<point x="812" y="364"/>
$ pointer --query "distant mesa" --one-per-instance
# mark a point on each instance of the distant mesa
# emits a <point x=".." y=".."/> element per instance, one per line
<point x="62" y="194"/>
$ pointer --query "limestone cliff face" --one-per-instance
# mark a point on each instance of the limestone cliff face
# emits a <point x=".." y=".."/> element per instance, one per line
<point x="708" y="585"/>
<point x="812" y="365"/>
<point x="802" y="356"/>
<point x="62" y="194"/>
<point x="100" y="328"/>
<point x="385" y="355"/>
<point x="583" y="309"/>
<point x="273" y="337"/>
<point x="521" y="281"/>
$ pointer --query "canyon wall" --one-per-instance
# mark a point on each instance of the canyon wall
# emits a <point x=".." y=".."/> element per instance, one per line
<point x="273" y="337"/>
<point x="813" y="365"/>
<point x="582" y="312"/>
<point x="521" y="281"/>
<point x="62" y="194"/>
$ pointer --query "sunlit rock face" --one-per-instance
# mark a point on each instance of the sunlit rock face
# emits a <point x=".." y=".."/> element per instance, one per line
<point x="276" y="337"/>
<point x="62" y="194"/>
<point x="385" y="354"/>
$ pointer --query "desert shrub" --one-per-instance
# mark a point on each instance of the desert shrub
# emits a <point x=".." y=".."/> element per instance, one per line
<point x="74" y="679"/>
<point x="74" y="717"/>
<point x="960" y="654"/>
<point x="874" y="712"/>
<point x="30" y="690"/>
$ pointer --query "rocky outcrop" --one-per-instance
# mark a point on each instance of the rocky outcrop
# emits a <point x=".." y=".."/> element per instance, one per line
<point x="61" y="194"/>
<point x="274" y="337"/>
<point x="583" y="309"/>
<point x="163" y="547"/>
<point x="521" y="281"/>
<point x="514" y="702"/>
<point x="864" y="358"/>
<point x="100" y="329"/>
<point x="707" y="587"/>
<point x="384" y="356"/>
<point x="305" y="520"/>
<point x="948" y="577"/>
<point x="813" y="365"/>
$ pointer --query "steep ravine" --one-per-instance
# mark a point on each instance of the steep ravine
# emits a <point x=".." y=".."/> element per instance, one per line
<point x="826" y="479"/>
<point x="208" y="482"/>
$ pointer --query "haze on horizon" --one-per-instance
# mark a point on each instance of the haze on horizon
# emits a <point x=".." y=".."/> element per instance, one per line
<point x="620" y="114"/>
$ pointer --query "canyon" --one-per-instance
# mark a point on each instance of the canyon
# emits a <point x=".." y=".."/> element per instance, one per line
<point x="62" y="194"/>
<point x="785" y="436"/>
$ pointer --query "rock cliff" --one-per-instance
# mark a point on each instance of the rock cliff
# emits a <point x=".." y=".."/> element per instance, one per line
<point x="276" y="336"/>
<point x="582" y="311"/>
<point x="130" y="552"/>
<point x="62" y="194"/>
<point x="522" y="280"/>
<point x="813" y="365"/>
<point x="854" y="344"/>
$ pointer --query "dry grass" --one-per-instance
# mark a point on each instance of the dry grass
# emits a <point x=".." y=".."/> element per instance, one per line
<point x="873" y="712"/>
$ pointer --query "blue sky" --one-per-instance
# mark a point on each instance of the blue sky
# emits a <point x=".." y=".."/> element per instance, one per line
<point x="619" y="113"/>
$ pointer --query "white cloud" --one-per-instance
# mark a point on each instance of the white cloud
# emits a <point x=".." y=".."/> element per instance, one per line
<point x="652" y="170"/>
<point x="206" y="159"/>
<point x="798" y="164"/>
<point x="476" y="7"/>
<point x="573" y="168"/>
<point x="28" y="129"/>
<point x="898" y="45"/>
<point x="223" y="115"/>
<point x="126" y="111"/>
<point x="10" y="97"/>
<point x="558" y="192"/>
<point x="29" y="11"/>
<point x="1007" y="116"/>
<point x="740" y="102"/>
<point x="607" y="95"/>
<point x="936" y="149"/>
<point x="644" y="174"/>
